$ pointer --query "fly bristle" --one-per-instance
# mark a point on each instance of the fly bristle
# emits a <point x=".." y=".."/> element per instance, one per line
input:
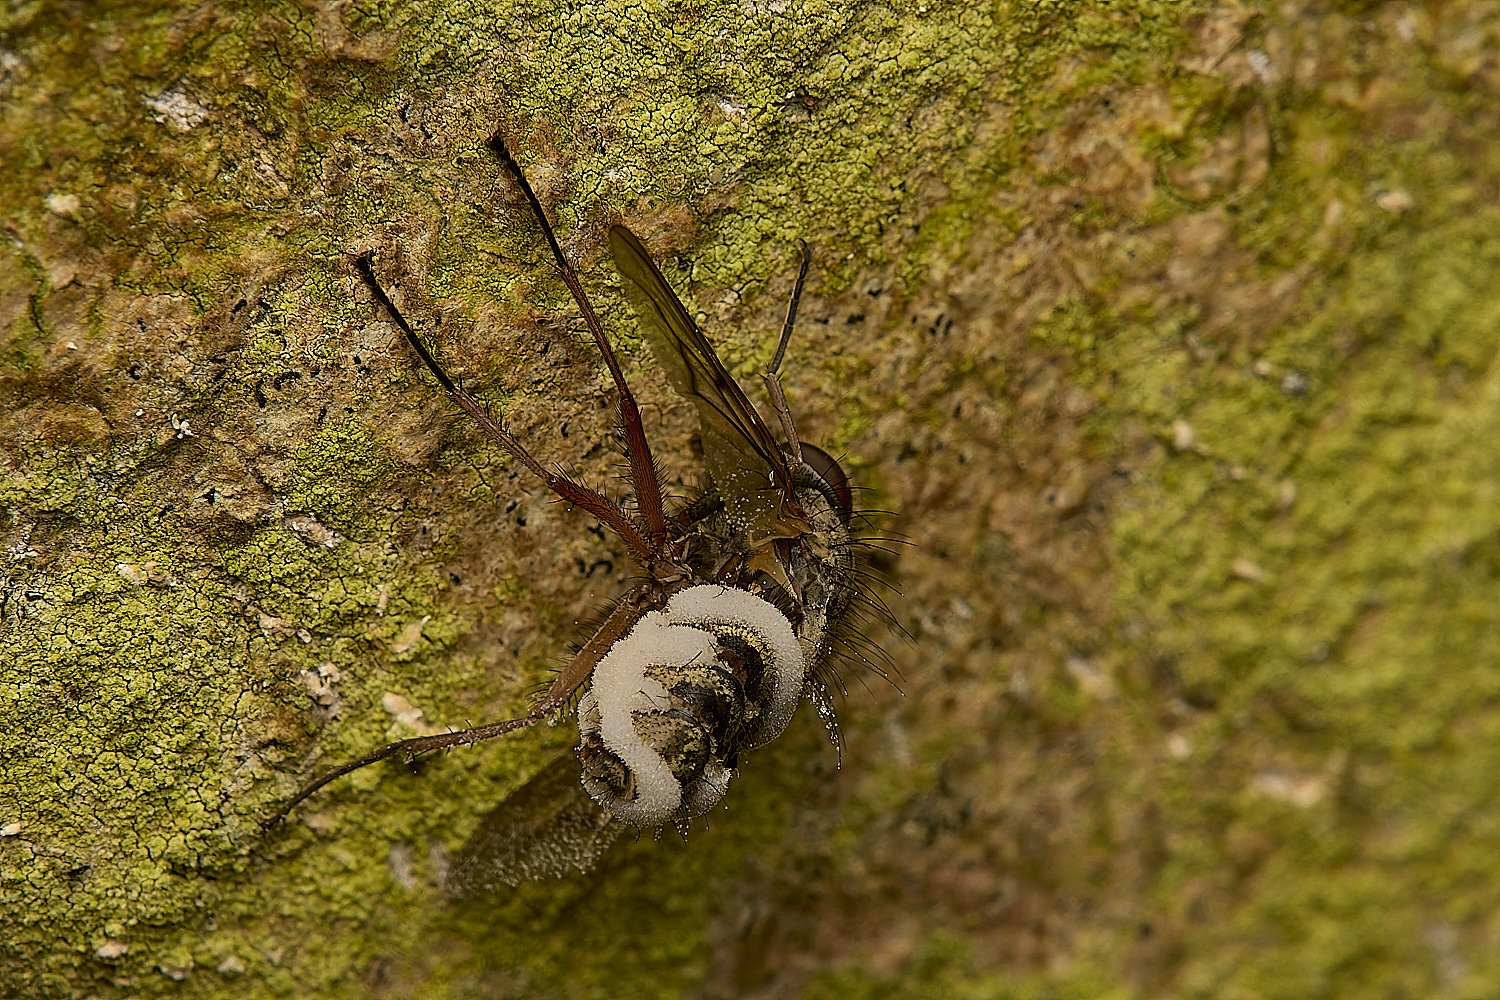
<point x="853" y="654"/>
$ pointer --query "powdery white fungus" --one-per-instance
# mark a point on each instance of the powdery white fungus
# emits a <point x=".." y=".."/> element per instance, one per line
<point x="621" y="687"/>
<point x="679" y="636"/>
<point x="711" y="605"/>
<point x="707" y="790"/>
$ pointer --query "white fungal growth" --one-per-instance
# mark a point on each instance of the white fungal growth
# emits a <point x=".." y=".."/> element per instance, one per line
<point x="621" y="687"/>
<point x="711" y="606"/>
<point x="683" y="635"/>
<point x="702" y="794"/>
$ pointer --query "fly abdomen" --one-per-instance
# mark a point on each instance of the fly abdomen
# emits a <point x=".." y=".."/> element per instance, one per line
<point x="757" y="644"/>
<point x="682" y="741"/>
<point x="712" y="695"/>
<point x="668" y="709"/>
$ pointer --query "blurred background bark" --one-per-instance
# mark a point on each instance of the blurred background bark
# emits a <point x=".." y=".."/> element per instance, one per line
<point x="1162" y="335"/>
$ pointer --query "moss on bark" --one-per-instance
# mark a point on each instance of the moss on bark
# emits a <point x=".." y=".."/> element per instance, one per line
<point x="1167" y="329"/>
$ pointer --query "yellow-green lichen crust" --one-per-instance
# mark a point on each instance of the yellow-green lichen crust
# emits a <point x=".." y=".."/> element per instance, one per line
<point x="1253" y="722"/>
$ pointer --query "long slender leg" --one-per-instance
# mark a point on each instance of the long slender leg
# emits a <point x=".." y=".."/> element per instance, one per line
<point x="603" y="508"/>
<point x="572" y="677"/>
<point x="415" y="746"/>
<point x="643" y="475"/>
<point x="559" y="694"/>
<point x="773" y="384"/>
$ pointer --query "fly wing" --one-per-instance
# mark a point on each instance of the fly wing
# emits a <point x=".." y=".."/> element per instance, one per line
<point x="744" y="460"/>
<point x="547" y="828"/>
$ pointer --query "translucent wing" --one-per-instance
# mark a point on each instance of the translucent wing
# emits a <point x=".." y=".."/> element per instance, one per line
<point x="547" y="828"/>
<point x="744" y="460"/>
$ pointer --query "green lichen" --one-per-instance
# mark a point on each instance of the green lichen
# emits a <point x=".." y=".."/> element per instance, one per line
<point x="1283" y="710"/>
<point x="335" y="467"/>
<point x="1363" y="645"/>
<point x="942" y="967"/>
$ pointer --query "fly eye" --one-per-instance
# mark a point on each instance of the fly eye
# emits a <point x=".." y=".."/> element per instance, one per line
<point x="834" y="477"/>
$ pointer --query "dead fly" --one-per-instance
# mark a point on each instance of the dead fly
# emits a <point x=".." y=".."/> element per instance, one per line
<point x="746" y="588"/>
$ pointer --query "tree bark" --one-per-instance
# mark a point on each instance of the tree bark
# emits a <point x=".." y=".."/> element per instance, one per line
<point x="1160" y="338"/>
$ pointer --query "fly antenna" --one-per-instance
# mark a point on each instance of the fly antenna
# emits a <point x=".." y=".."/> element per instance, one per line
<point x="773" y="384"/>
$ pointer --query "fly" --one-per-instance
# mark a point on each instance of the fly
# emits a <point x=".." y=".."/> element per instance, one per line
<point x="745" y="591"/>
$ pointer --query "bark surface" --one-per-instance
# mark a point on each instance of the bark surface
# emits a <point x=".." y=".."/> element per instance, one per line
<point x="1168" y="332"/>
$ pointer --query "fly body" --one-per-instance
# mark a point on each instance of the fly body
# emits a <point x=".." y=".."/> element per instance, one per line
<point x="745" y="590"/>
